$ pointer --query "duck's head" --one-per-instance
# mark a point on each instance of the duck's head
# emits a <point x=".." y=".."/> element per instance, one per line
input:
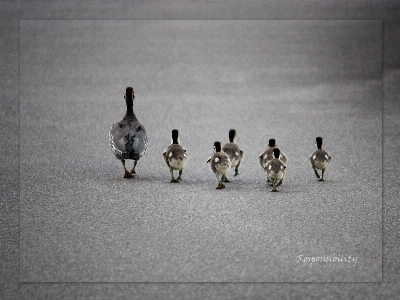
<point x="319" y="142"/>
<point x="277" y="152"/>
<point x="232" y="135"/>
<point x="217" y="146"/>
<point x="129" y="95"/>
<point x="271" y="143"/>
<point x="175" y="136"/>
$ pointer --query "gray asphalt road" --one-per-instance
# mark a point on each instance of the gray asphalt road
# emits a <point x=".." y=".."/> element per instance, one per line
<point x="290" y="80"/>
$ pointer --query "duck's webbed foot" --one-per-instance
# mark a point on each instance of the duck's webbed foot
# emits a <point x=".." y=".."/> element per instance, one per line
<point x="273" y="186"/>
<point x="220" y="186"/>
<point x="224" y="179"/>
<point x="127" y="174"/>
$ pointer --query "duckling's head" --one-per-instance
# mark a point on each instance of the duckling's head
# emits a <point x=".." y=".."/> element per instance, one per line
<point x="277" y="152"/>
<point x="175" y="138"/>
<point x="271" y="143"/>
<point x="217" y="146"/>
<point x="232" y="135"/>
<point x="319" y="142"/>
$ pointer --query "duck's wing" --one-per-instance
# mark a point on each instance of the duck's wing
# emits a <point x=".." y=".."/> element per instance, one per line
<point x="283" y="157"/>
<point x="118" y="139"/>
<point x="139" y="140"/>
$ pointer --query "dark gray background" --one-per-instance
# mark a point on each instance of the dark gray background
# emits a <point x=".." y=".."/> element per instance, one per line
<point x="292" y="80"/>
<point x="10" y="245"/>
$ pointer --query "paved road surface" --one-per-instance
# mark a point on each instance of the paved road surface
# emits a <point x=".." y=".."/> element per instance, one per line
<point x="290" y="80"/>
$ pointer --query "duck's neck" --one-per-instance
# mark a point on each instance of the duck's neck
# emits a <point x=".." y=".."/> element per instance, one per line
<point x="232" y="136"/>
<point x="129" y="110"/>
<point x="175" y="140"/>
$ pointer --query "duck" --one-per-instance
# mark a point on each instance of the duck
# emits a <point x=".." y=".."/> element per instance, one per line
<point x="234" y="152"/>
<point x="175" y="156"/>
<point x="268" y="154"/>
<point x="275" y="170"/>
<point x="128" y="138"/>
<point x="319" y="159"/>
<point x="219" y="163"/>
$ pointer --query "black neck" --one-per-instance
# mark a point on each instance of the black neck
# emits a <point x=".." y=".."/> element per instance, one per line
<point x="232" y="134"/>
<point x="217" y="146"/>
<point x="175" y="136"/>
<point x="129" y="104"/>
<point x="319" y="143"/>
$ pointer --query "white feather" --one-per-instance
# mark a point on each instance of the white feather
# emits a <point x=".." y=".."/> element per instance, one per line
<point x="216" y="159"/>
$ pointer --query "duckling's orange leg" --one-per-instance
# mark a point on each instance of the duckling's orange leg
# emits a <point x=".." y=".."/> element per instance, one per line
<point x="127" y="174"/>
<point x="133" y="169"/>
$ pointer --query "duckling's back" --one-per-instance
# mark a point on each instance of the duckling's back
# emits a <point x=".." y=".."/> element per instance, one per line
<point x="320" y="159"/>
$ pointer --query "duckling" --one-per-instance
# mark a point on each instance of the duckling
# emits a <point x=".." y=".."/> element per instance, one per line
<point x="319" y="159"/>
<point x="219" y="163"/>
<point x="275" y="170"/>
<point x="128" y="139"/>
<point x="175" y="156"/>
<point x="268" y="154"/>
<point x="234" y="152"/>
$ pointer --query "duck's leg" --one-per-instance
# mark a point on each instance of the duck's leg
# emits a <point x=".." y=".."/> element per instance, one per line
<point x="237" y="168"/>
<point x="322" y="177"/>
<point x="133" y="169"/>
<point x="224" y="179"/>
<point x="127" y="174"/>
<point x="280" y="182"/>
<point x="316" y="173"/>
<point x="220" y="184"/>
<point x="273" y="186"/>
<point x="172" y="175"/>
<point x="180" y="174"/>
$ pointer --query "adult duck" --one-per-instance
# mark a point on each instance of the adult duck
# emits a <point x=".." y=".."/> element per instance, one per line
<point x="128" y="139"/>
<point x="175" y="156"/>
